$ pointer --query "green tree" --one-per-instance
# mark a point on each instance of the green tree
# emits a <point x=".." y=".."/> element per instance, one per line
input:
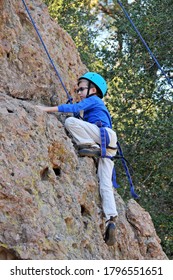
<point x="141" y="105"/>
<point x="78" y="19"/>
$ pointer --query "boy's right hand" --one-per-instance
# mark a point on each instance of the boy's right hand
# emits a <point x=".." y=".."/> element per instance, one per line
<point x="47" y="109"/>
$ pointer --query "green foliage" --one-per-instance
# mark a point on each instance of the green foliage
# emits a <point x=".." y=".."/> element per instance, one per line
<point x="140" y="99"/>
<point x="78" y="19"/>
<point x="142" y="113"/>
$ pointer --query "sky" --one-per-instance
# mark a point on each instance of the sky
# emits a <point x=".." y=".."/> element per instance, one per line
<point x="131" y="1"/>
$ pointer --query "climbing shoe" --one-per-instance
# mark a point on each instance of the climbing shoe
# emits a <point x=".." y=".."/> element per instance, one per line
<point x="109" y="237"/>
<point x="90" y="152"/>
<point x="83" y="146"/>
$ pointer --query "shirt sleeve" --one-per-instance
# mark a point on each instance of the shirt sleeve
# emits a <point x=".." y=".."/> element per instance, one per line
<point x="85" y="104"/>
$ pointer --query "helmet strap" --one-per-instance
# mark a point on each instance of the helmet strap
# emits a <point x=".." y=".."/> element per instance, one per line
<point x="89" y="86"/>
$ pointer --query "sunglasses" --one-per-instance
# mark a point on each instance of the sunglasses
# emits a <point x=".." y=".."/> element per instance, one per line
<point x="81" y="89"/>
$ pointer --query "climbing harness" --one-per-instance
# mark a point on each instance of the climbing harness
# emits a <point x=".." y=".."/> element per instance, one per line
<point x="70" y="99"/>
<point x="105" y="145"/>
<point x="98" y="80"/>
<point x="144" y="42"/>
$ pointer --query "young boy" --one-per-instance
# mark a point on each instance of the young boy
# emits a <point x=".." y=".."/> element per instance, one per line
<point x="86" y="133"/>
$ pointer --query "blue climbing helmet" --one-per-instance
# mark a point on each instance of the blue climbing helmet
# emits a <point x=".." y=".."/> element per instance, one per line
<point x="97" y="80"/>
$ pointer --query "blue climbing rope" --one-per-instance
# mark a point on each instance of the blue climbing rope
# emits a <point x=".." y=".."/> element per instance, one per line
<point x="46" y="50"/>
<point x="144" y="42"/>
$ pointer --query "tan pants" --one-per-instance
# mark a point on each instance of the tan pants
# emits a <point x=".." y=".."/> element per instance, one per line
<point x="87" y="133"/>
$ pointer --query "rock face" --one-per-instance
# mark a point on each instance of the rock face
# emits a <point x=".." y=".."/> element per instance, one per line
<point x="26" y="70"/>
<point x="49" y="197"/>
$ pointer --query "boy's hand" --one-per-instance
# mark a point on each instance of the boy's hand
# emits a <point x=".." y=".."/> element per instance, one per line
<point x="42" y="108"/>
<point x="48" y="109"/>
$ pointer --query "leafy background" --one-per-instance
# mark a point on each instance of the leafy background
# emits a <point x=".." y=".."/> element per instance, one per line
<point x="140" y="99"/>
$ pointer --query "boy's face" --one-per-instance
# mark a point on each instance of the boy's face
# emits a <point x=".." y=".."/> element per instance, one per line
<point x="83" y="89"/>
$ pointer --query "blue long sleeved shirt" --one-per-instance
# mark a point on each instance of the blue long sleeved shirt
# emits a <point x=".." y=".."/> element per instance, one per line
<point x="94" y="110"/>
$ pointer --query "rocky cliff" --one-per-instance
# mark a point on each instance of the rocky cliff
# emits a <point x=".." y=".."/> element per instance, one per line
<point x="50" y="206"/>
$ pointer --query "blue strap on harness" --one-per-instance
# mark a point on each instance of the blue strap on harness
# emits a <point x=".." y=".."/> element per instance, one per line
<point x="105" y="140"/>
